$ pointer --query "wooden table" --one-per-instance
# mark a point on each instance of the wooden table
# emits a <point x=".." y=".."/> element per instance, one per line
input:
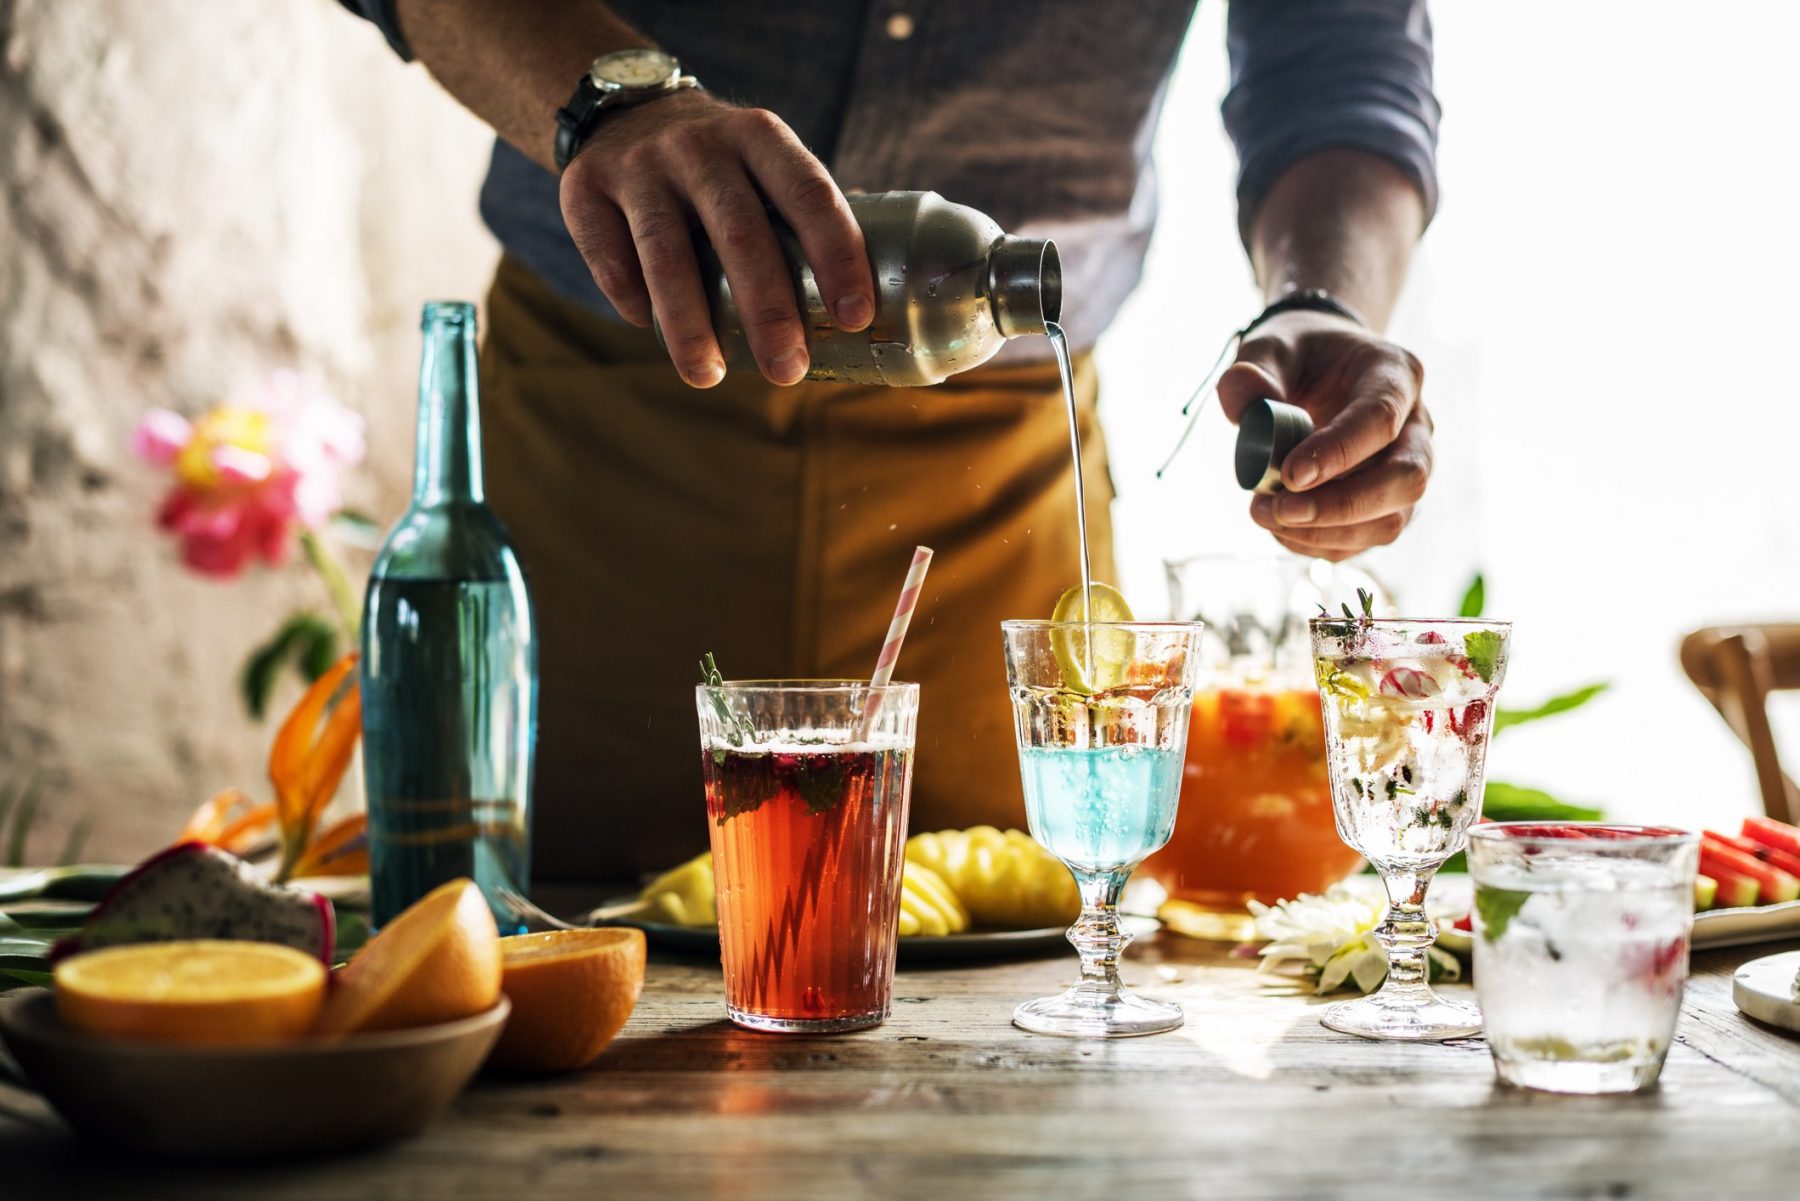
<point x="1253" y="1099"/>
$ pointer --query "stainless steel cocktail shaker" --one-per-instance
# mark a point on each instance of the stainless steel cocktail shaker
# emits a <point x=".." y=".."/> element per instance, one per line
<point x="950" y="288"/>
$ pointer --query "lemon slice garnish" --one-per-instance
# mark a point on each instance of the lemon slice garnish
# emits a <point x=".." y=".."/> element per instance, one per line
<point x="1092" y="659"/>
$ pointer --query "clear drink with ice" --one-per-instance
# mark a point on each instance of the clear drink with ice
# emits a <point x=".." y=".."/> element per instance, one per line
<point x="1581" y="950"/>
<point x="1406" y="732"/>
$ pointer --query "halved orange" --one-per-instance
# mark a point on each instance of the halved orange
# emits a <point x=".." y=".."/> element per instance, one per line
<point x="198" y="991"/>
<point x="571" y="991"/>
<point x="437" y="962"/>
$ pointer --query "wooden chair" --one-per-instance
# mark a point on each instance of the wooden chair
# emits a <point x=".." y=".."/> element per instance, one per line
<point x="1735" y="668"/>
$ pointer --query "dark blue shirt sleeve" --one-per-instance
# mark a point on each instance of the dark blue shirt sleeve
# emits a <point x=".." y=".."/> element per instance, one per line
<point x="1307" y="75"/>
<point x="381" y="12"/>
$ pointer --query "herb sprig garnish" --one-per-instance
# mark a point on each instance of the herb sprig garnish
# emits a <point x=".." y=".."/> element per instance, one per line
<point x="1346" y="626"/>
<point x="737" y="730"/>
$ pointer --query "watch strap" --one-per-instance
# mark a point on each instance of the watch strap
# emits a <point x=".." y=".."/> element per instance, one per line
<point x="1313" y="300"/>
<point x="575" y="120"/>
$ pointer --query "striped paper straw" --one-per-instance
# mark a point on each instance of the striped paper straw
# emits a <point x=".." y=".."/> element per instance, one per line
<point x="890" y="650"/>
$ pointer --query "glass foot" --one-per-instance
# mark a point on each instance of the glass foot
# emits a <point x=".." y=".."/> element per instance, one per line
<point x="1431" y="1019"/>
<point x="1087" y="1013"/>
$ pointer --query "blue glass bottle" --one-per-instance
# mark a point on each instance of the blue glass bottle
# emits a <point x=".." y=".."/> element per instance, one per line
<point x="449" y="662"/>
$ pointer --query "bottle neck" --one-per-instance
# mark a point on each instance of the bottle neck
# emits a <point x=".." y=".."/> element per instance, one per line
<point x="447" y="466"/>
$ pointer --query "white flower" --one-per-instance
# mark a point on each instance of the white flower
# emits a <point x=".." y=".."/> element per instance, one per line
<point x="1332" y="936"/>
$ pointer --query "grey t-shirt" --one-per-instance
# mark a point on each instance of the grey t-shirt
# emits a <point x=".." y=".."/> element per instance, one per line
<point x="1039" y="113"/>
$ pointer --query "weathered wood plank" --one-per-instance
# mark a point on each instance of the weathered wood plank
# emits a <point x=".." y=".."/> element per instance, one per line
<point x="1252" y="1099"/>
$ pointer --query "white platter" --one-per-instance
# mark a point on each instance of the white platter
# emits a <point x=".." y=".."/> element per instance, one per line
<point x="1764" y="990"/>
<point x="1746" y="926"/>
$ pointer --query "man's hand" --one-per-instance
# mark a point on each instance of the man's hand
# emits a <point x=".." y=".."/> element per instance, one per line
<point x="1344" y="221"/>
<point x="633" y="193"/>
<point x="1353" y="483"/>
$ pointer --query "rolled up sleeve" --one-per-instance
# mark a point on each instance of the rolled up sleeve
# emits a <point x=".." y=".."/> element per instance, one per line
<point x="381" y="13"/>
<point x="1308" y="75"/>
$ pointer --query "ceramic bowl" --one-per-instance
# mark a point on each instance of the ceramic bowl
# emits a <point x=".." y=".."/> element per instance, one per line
<point x="302" y="1098"/>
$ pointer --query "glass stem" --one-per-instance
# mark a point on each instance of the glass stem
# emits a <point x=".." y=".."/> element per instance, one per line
<point x="1406" y="933"/>
<point x="1096" y="934"/>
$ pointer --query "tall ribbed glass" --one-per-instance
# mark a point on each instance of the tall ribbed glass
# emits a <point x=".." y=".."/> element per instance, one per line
<point x="807" y="784"/>
<point x="449" y="663"/>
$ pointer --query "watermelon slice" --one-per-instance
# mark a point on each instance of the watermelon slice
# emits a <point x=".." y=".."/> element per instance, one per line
<point x="1706" y="891"/>
<point x="1731" y="890"/>
<point x="1771" y="833"/>
<point x="1770" y="855"/>
<point x="1773" y="884"/>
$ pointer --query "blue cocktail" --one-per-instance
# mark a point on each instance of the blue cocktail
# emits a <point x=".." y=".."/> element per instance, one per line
<point x="1101" y="713"/>
<point x="1100" y="810"/>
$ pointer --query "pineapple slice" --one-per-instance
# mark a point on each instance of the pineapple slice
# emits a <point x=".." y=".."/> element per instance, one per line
<point x="927" y="905"/>
<point x="1003" y="878"/>
<point x="682" y="896"/>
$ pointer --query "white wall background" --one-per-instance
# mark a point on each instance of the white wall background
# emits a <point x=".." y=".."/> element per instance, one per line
<point x="1603" y="306"/>
<point x="1606" y="307"/>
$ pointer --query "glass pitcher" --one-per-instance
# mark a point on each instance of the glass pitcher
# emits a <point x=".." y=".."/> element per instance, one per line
<point x="1255" y="821"/>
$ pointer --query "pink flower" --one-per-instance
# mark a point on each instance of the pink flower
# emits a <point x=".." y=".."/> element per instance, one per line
<point x="247" y="474"/>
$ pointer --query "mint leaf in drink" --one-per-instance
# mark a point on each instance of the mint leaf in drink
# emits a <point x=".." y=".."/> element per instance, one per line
<point x="821" y="781"/>
<point x="1483" y="649"/>
<point x="1496" y="907"/>
<point x="745" y="782"/>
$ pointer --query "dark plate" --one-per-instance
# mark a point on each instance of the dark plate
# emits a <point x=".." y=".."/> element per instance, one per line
<point x="974" y="945"/>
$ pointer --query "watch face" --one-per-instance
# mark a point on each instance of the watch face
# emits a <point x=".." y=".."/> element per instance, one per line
<point x="635" y="68"/>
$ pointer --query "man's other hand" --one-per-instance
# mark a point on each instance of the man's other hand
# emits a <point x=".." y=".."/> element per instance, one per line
<point x="1353" y="483"/>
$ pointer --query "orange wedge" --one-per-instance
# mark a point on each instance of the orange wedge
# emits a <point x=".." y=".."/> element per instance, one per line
<point x="198" y="992"/>
<point x="437" y="962"/>
<point x="571" y="991"/>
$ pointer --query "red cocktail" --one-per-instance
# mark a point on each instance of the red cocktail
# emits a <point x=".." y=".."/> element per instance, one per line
<point x="807" y="813"/>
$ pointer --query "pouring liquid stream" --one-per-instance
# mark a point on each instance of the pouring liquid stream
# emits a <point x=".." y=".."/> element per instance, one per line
<point x="1060" y="344"/>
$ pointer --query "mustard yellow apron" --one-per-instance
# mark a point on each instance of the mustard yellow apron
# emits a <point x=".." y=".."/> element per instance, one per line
<point x="771" y="526"/>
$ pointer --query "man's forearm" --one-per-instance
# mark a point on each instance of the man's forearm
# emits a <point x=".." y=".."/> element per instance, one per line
<point x="1341" y="220"/>
<point x="514" y="64"/>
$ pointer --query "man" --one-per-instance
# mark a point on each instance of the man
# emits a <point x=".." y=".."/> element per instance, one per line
<point x="661" y="514"/>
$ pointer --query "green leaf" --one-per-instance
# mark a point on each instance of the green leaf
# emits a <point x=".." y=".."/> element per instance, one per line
<point x="306" y="640"/>
<point x="357" y="529"/>
<point x="1483" y="648"/>
<point x="317" y="655"/>
<point x="1550" y="708"/>
<point x="1495" y="908"/>
<point x="1475" y="599"/>
<point x="1504" y="802"/>
<point x="25" y="976"/>
<point x="26" y="949"/>
<point x="23" y="818"/>
<point x="77" y="839"/>
<point x="86" y="882"/>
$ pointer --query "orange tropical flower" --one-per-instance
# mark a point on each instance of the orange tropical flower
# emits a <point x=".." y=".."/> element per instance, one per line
<point x="307" y="763"/>
<point x="311" y="753"/>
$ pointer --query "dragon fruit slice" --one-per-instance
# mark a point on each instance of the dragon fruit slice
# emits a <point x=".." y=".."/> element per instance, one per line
<point x="193" y="890"/>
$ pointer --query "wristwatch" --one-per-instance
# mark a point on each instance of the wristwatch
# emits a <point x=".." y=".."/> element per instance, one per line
<point x="617" y="80"/>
